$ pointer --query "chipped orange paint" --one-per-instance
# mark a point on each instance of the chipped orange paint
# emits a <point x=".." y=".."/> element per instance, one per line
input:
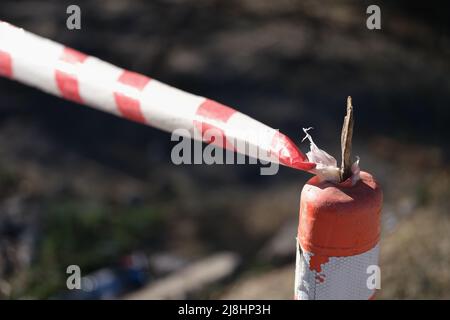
<point x="315" y="264"/>
<point x="321" y="278"/>
<point x="316" y="261"/>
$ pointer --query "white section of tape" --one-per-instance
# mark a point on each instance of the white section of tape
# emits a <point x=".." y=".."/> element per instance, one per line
<point x="341" y="278"/>
<point x="34" y="57"/>
<point x="96" y="81"/>
<point x="168" y="108"/>
<point x="254" y="135"/>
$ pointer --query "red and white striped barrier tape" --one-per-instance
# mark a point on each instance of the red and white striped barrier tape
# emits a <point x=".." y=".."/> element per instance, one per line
<point x="75" y="76"/>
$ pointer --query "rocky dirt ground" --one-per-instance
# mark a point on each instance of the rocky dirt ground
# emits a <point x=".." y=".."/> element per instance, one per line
<point x="78" y="186"/>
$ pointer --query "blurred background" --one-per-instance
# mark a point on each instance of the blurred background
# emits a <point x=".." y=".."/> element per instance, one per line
<point x="82" y="187"/>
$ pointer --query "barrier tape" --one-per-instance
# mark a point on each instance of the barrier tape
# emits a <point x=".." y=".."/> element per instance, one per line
<point x="84" y="79"/>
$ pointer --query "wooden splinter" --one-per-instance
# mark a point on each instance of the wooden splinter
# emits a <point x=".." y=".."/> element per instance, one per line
<point x="346" y="142"/>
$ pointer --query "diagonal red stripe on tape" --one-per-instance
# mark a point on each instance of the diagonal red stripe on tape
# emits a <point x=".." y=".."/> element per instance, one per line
<point x="127" y="102"/>
<point x="66" y="79"/>
<point x="208" y="115"/>
<point x="5" y="64"/>
<point x="288" y="153"/>
<point x="213" y="110"/>
<point x="133" y="79"/>
<point x="73" y="56"/>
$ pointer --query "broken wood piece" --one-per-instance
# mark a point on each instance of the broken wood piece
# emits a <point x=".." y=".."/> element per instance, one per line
<point x="346" y="142"/>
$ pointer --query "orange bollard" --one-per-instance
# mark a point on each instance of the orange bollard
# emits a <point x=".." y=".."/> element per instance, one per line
<point x="338" y="236"/>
